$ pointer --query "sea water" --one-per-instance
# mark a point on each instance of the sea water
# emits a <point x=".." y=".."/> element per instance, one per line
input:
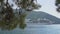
<point x="34" y="29"/>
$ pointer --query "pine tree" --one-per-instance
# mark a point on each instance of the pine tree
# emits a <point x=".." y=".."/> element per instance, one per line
<point x="57" y="3"/>
<point x="9" y="20"/>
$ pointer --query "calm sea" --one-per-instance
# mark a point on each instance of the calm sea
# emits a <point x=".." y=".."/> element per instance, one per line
<point x="34" y="29"/>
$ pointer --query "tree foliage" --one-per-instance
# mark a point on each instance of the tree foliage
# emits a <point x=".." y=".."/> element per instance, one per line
<point x="27" y="4"/>
<point x="8" y="19"/>
<point x="57" y="3"/>
<point x="1" y="0"/>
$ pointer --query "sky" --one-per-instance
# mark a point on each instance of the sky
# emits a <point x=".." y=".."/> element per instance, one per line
<point x="48" y="6"/>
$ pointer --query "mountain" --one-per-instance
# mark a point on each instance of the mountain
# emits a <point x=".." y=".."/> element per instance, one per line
<point x="40" y="14"/>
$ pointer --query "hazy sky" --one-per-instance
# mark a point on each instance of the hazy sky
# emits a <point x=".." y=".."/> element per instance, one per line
<point x="48" y="6"/>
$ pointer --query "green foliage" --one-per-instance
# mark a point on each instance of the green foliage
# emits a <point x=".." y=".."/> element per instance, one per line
<point x="9" y="20"/>
<point x="22" y="26"/>
<point x="57" y="3"/>
<point x="22" y="21"/>
<point x="26" y="4"/>
<point x="13" y="24"/>
<point x="1" y="0"/>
